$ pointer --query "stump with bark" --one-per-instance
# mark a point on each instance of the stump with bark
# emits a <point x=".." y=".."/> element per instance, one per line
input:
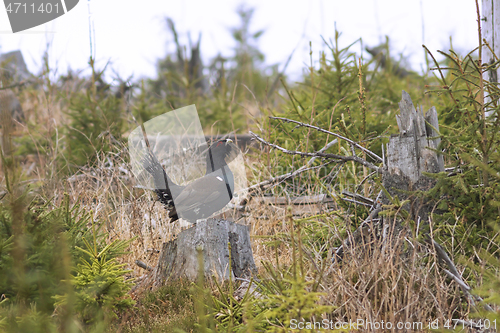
<point x="224" y="247"/>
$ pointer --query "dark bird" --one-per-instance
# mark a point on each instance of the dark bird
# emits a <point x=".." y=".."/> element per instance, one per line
<point x="203" y="196"/>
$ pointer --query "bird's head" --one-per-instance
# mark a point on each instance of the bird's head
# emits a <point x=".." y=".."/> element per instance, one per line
<point x="220" y="153"/>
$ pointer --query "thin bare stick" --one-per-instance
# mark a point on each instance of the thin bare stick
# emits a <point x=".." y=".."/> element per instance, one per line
<point x="22" y="83"/>
<point x="322" y="150"/>
<point x="319" y="129"/>
<point x="281" y="178"/>
<point x="339" y="158"/>
<point x="278" y="179"/>
<point x="366" y="201"/>
<point x="461" y="283"/>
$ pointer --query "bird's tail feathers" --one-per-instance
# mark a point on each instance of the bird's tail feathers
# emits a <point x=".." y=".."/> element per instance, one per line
<point x="153" y="167"/>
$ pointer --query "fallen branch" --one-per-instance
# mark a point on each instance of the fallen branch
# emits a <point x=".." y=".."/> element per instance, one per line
<point x="455" y="275"/>
<point x="336" y="158"/>
<point x="364" y="200"/>
<point x="356" y="202"/>
<point x="143" y="265"/>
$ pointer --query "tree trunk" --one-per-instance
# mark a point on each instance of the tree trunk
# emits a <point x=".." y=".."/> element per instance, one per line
<point x="490" y="27"/>
<point x="210" y="238"/>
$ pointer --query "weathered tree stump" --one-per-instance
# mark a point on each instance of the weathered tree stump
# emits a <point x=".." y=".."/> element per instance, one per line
<point x="179" y="257"/>
<point x="411" y="153"/>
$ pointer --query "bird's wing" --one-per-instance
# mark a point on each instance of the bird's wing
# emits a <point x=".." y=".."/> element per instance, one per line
<point x="165" y="189"/>
<point x="153" y="167"/>
<point x="201" y="192"/>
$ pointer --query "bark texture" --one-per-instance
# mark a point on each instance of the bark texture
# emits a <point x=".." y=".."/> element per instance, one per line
<point x="179" y="257"/>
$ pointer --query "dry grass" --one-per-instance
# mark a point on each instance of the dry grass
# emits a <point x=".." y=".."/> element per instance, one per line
<point x="399" y="284"/>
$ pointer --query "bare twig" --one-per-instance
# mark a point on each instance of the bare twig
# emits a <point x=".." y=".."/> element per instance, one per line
<point x="338" y="158"/>
<point x="322" y="150"/>
<point x="364" y="180"/>
<point x="364" y="200"/>
<point x="281" y="178"/>
<point x="319" y="129"/>
<point x="461" y="283"/>
<point x="20" y="84"/>
<point x="356" y="202"/>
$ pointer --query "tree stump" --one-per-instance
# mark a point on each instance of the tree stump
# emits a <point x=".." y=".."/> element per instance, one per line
<point x="411" y="153"/>
<point x="179" y="257"/>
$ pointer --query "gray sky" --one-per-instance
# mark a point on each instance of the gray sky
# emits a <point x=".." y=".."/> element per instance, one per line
<point x="133" y="34"/>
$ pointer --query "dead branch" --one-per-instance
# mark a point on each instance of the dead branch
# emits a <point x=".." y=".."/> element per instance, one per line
<point x="364" y="200"/>
<point x="143" y="265"/>
<point x="278" y="179"/>
<point x="455" y="275"/>
<point x="19" y="84"/>
<point x="356" y="202"/>
<point x="319" y="129"/>
<point x="336" y="158"/>
<point x="322" y="150"/>
<point x="281" y="178"/>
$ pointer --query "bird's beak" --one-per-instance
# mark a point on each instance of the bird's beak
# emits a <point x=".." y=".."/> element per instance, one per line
<point x="229" y="141"/>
